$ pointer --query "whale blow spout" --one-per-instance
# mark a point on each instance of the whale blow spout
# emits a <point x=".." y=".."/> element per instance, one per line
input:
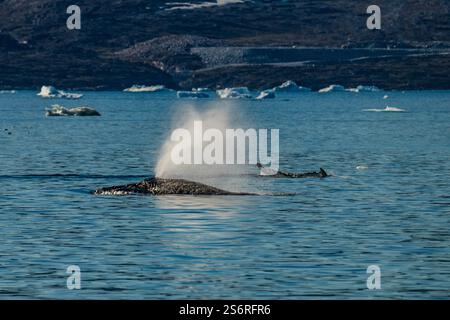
<point x="158" y="186"/>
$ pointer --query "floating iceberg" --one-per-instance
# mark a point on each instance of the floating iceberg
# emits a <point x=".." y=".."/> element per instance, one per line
<point x="48" y="92"/>
<point x="266" y="94"/>
<point x="7" y="91"/>
<point x="290" y="86"/>
<point x="235" y="93"/>
<point x="332" y="88"/>
<point x="138" y="88"/>
<point x="364" y="89"/>
<point x="387" y="109"/>
<point x="52" y="92"/>
<point x="59" y="111"/>
<point x="195" y="94"/>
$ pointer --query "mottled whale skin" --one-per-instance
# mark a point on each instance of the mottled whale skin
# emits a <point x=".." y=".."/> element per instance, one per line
<point x="321" y="174"/>
<point x="159" y="186"/>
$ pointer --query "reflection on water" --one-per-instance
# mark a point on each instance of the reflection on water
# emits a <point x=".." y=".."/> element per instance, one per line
<point x="215" y="203"/>
<point x="316" y="242"/>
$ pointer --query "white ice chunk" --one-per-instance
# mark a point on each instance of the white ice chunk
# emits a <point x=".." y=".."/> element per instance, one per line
<point x="290" y="86"/>
<point x="365" y="89"/>
<point x="141" y="88"/>
<point x="332" y="88"/>
<point x="235" y="93"/>
<point x="52" y="92"/>
<point x="59" y="111"/>
<point x="266" y="94"/>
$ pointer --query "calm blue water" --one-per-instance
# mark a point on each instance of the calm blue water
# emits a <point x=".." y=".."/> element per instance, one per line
<point x="315" y="244"/>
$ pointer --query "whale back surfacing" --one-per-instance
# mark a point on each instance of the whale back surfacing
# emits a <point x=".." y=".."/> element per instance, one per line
<point x="158" y="186"/>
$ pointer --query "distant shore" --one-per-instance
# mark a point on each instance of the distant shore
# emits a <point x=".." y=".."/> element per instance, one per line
<point x="256" y="44"/>
<point x="262" y="69"/>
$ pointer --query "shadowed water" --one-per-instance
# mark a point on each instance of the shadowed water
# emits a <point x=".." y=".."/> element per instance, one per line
<point x="394" y="211"/>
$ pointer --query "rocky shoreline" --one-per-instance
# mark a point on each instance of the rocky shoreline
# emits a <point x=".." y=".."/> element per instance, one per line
<point x="406" y="73"/>
<point x="258" y="44"/>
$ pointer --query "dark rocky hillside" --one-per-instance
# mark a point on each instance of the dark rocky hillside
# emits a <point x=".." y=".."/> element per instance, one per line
<point x="125" y="42"/>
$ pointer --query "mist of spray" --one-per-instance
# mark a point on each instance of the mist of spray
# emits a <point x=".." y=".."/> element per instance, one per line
<point x="215" y="116"/>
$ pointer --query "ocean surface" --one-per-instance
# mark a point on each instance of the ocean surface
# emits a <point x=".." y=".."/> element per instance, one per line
<point x="387" y="204"/>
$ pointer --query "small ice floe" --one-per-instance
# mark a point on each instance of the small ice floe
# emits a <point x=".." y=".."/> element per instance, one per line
<point x="266" y="94"/>
<point x="7" y="91"/>
<point x="362" y="167"/>
<point x="202" y="90"/>
<point x="332" y="88"/>
<point x="393" y="109"/>
<point x="194" y="94"/>
<point x="139" y="88"/>
<point x="52" y="92"/>
<point x="235" y="93"/>
<point x="365" y="89"/>
<point x="386" y="97"/>
<point x="60" y="111"/>
<point x="290" y="86"/>
<point x="48" y="92"/>
<point x="387" y="109"/>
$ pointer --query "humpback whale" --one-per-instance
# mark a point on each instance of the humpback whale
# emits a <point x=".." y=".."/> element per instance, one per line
<point x="159" y="186"/>
<point x="280" y="174"/>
